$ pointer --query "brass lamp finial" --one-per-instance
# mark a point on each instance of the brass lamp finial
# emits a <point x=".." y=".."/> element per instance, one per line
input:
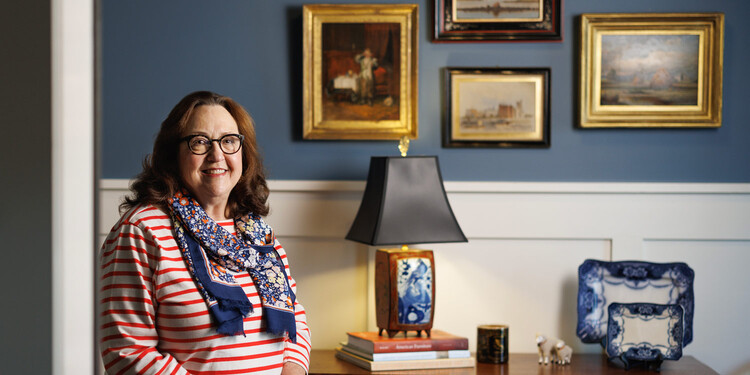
<point x="403" y="145"/>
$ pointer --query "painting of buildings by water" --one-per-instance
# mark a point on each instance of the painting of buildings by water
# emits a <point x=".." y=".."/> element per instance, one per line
<point x="649" y="70"/>
<point x="488" y="107"/>
<point x="497" y="10"/>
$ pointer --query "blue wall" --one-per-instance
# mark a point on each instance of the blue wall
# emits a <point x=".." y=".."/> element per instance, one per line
<point x="155" y="52"/>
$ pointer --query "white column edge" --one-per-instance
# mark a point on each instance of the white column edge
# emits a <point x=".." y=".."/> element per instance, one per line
<point x="72" y="29"/>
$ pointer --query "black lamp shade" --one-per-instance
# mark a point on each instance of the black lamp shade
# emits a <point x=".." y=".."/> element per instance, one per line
<point x="405" y="203"/>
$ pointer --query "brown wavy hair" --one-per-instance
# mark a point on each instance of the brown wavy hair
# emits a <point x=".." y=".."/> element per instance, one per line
<point x="160" y="178"/>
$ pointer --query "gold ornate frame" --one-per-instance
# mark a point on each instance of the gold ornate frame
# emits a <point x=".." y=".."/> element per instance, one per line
<point x="317" y="93"/>
<point x="605" y="110"/>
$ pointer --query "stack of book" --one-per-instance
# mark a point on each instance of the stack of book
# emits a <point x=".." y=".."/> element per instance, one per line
<point x="382" y="353"/>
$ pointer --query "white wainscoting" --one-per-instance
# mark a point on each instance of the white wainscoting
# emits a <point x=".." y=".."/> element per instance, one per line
<point x="519" y="267"/>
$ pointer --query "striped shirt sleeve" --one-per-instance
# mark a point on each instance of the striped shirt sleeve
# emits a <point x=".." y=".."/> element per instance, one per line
<point x="298" y="352"/>
<point x="128" y="333"/>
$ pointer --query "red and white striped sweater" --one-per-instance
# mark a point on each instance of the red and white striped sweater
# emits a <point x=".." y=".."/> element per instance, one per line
<point x="154" y="320"/>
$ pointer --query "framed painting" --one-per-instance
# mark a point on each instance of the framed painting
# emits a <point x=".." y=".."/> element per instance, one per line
<point x="497" y="107"/>
<point x="651" y="70"/>
<point x="360" y="71"/>
<point x="498" y="20"/>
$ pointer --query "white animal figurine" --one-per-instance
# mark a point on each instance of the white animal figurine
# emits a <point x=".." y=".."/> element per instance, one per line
<point x="563" y="352"/>
<point x="546" y="347"/>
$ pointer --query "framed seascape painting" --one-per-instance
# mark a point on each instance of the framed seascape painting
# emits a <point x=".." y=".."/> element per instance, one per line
<point x="498" y="20"/>
<point x="360" y="71"/>
<point x="651" y="70"/>
<point x="497" y="107"/>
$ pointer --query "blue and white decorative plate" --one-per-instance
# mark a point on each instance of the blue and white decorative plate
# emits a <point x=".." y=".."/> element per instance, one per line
<point x="645" y="331"/>
<point x="601" y="283"/>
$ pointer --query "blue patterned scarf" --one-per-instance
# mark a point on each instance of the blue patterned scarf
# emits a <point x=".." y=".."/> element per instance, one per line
<point x="209" y="250"/>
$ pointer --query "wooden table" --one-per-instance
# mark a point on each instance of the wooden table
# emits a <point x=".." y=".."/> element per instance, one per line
<point x="324" y="362"/>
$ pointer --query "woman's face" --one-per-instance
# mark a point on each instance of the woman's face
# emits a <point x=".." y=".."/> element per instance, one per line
<point x="212" y="176"/>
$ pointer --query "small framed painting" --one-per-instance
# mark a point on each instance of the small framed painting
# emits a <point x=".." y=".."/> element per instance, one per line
<point x="498" y="20"/>
<point x="497" y="107"/>
<point x="360" y="71"/>
<point x="651" y="70"/>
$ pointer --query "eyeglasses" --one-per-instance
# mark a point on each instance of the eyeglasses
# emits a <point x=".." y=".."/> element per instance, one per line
<point x="200" y="144"/>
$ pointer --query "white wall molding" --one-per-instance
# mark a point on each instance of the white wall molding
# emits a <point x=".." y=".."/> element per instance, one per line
<point x="506" y="187"/>
<point x="526" y="240"/>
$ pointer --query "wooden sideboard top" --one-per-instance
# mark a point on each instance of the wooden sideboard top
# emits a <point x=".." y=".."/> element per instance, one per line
<point x="324" y="362"/>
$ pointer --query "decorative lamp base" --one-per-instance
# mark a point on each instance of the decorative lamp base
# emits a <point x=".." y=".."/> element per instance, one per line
<point x="404" y="290"/>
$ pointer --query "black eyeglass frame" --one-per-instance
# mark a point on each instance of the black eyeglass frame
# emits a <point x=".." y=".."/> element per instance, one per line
<point x="212" y="140"/>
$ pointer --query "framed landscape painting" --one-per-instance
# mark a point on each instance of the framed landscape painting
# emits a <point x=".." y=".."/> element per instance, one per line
<point x="498" y="20"/>
<point x="360" y="71"/>
<point x="497" y="107"/>
<point x="651" y="70"/>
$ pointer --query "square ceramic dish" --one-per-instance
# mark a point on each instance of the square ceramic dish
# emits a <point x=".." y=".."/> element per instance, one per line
<point x="644" y="331"/>
<point x="601" y="283"/>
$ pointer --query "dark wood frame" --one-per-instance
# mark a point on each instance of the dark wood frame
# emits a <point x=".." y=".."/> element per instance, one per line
<point x="386" y="290"/>
<point x="452" y="140"/>
<point x="549" y="29"/>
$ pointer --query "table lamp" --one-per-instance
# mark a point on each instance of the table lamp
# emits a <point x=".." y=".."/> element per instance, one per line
<point x="404" y="203"/>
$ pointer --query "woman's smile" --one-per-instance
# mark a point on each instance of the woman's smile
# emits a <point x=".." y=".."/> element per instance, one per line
<point x="214" y="172"/>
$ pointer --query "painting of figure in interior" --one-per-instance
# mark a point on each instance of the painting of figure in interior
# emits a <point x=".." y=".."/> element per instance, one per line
<point x="497" y="10"/>
<point x="361" y="71"/>
<point x="414" y="291"/>
<point x="650" y="70"/>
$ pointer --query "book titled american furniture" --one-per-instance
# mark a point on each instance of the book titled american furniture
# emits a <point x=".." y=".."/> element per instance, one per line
<point x="405" y="356"/>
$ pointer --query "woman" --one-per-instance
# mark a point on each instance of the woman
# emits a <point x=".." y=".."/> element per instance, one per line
<point x="193" y="280"/>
